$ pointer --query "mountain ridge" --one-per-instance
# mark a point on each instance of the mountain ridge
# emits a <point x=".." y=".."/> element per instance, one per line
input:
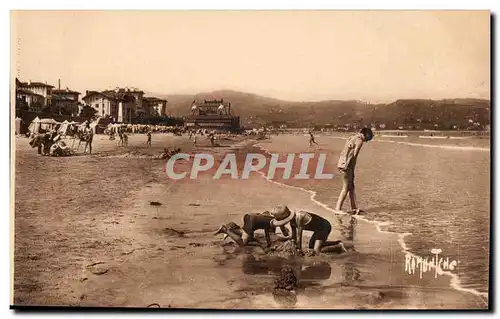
<point x="261" y="110"/>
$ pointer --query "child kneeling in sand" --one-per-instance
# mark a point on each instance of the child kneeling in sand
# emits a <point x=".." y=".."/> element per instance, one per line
<point x="320" y="227"/>
<point x="252" y="222"/>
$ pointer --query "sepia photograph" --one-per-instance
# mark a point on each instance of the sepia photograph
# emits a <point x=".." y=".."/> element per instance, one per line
<point x="251" y="160"/>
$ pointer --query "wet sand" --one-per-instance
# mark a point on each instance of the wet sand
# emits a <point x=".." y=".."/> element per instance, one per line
<point x="87" y="235"/>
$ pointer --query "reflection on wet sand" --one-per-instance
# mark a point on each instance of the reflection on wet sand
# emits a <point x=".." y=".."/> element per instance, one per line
<point x="318" y="271"/>
<point x="310" y="273"/>
<point x="285" y="298"/>
<point x="347" y="226"/>
<point x="350" y="274"/>
<point x="271" y="266"/>
<point x="307" y="274"/>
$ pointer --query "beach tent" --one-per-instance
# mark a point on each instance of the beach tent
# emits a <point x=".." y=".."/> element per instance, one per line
<point x="17" y="122"/>
<point x="114" y="127"/>
<point x="35" y="125"/>
<point x="63" y="129"/>
<point x="48" y="124"/>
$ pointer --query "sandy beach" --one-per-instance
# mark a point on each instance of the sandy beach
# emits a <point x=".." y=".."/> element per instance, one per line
<point x="86" y="234"/>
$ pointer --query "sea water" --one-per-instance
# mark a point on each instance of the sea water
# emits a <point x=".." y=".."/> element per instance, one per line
<point x="437" y="191"/>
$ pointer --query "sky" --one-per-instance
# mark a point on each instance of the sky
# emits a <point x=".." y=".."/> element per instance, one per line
<point x="376" y="56"/>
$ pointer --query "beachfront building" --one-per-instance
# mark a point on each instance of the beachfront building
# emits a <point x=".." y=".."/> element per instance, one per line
<point x="122" y="105"/>
<point x="35" y="95"/>
<point x="154" y="106"/>
<point x="31" y="101"/>
<point x="65" y="101"/>
<point x="130" y="100"/>
<point x="212" y="114"/>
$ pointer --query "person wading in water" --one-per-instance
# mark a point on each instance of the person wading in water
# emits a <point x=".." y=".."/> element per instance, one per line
<point x="347" y="164"/>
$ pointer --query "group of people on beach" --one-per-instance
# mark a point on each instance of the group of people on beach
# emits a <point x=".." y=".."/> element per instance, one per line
<point x="211" y="135"/>
<point x="49" y="142"/>
<point x="300" y="220"/>
<point x="281" y="216"/>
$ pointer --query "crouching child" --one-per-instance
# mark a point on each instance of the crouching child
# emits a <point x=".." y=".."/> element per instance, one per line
<point x="321" y="228"/>
<point x="252" y="222"/>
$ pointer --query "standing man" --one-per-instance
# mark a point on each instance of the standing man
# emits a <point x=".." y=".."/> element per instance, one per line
<point x="89" y="136"/>
<point x="347" y="164"/>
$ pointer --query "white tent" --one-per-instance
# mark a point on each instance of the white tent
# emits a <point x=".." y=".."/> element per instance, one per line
<point x="48" y="124"/>
<point x="35" y="125"/>
<point x="63" y="128"/>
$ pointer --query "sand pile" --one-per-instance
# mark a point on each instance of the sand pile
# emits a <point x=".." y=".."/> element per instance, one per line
<point x="286" y="279"/>
<point x="286" y="249"/>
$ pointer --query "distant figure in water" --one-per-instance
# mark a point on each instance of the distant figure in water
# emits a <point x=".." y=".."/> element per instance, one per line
<point x="149" y="139"/>
<point x="311" y="139"/>
<point x="347" y="165"/>
<point x="252" y="222"/>
<point x="320" y="227"/>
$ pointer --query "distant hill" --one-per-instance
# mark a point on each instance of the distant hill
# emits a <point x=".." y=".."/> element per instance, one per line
<point x="421" y="113"/>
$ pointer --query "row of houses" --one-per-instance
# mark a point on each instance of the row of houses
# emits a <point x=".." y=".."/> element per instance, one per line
<point x="121" y="104"/>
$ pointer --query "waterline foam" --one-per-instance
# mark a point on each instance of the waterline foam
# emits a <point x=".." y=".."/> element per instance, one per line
<point x="454" y="281"/>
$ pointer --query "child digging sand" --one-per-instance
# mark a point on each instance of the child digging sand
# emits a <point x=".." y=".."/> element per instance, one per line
<point x="279" y="217"/>
<point x="320" y="227"/>
<point x="252" y="222"/>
